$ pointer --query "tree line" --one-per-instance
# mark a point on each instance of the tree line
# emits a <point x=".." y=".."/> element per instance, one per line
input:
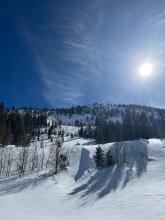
<point x="17" y="128"/>
<point x="134" y="125"/>
<point x="104" y="123"/>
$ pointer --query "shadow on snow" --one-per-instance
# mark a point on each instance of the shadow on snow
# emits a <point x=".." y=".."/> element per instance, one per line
<point x="84" y="164"/>
<point x="105" y="181"/>
<point x="15" y="184"/>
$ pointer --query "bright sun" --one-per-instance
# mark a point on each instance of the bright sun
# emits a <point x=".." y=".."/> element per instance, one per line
<point x="146" y="70"/>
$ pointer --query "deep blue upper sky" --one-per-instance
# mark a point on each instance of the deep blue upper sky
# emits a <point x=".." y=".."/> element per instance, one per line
<point x="67" y="52"/>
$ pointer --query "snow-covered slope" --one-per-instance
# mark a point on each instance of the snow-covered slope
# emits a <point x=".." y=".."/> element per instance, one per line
<point x="135" y="190"/>
<point x="114" y="113"/>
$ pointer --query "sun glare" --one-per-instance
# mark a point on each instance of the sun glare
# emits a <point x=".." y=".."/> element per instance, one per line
<point x="146" y="70"/>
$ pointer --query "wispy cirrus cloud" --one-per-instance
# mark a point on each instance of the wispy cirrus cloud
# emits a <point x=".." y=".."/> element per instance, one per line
<point x="66" y="50"/>
<point x="90" y="48"/>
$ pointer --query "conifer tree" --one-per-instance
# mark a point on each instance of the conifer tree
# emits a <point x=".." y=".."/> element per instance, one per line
<point x="99" y="158"/>
<point x="109" y="159"/>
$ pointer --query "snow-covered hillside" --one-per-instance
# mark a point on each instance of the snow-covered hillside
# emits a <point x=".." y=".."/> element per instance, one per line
<point x="133" y="190"/>
<point x="88" y="114"/>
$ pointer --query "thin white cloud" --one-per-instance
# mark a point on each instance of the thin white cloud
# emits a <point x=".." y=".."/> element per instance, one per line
<point x="66" y="66"/>
<point x="67" y="52"/>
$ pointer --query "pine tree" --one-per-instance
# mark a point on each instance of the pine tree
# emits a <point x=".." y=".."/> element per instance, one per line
<point x="99" y="158"/>
<point x="109" y="159"/>
<point x="7" y="135"/>
<point x="101" y="130"/>
<point x="28" y="123"/>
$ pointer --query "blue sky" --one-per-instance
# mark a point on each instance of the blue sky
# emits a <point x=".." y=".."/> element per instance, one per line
<point x="68" y="52"/>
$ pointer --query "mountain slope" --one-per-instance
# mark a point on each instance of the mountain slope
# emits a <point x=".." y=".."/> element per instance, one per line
<point x="119" y="193"/>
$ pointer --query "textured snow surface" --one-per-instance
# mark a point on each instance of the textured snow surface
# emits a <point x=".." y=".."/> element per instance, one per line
<point x="134" y="190"/>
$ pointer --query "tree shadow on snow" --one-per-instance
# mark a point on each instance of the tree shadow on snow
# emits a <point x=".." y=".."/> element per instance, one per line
<point x="110" y="179"/>
<point x="15" y="185"/>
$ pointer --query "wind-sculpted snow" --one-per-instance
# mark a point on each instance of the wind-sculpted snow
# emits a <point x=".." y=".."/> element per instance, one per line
<point x="132" y="159"/>
<point x="131" y="153"/>
<point x="84" y="164"/>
